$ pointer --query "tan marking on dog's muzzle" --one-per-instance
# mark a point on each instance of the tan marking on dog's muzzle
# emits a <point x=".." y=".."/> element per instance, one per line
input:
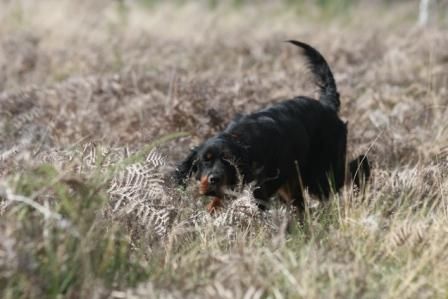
<point x="203" y="185"/>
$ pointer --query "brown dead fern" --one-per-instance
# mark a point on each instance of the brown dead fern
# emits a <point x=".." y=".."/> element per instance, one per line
<point x="138" y="191"/>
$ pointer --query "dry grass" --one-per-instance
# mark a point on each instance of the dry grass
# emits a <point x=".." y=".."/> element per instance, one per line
<point x="95" y="97"/>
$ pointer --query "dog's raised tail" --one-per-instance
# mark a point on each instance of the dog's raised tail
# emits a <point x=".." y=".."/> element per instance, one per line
<point x="323" y="76"/>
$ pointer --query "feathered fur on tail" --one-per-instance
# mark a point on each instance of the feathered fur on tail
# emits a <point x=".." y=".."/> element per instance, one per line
<point x="329" y="95"/>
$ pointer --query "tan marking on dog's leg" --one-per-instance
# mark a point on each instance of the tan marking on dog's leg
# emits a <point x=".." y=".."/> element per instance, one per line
<point x="285" y="193"/>
<point x="214" y="205"/>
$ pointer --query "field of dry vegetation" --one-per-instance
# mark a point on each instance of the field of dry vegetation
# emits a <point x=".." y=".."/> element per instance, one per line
<point x="99" y="99"/>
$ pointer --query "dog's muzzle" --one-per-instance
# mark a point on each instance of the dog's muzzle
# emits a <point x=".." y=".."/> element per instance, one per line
<point x="210" y="185"/>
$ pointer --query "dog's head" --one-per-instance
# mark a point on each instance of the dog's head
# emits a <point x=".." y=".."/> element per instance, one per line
<point x="214" y="164"/>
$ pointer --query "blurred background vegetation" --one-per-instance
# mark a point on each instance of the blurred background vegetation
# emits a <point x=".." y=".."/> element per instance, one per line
<point x="325" y="8"/>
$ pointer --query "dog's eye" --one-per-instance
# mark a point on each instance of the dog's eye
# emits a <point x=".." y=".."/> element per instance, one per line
<point x="208" y="157"/>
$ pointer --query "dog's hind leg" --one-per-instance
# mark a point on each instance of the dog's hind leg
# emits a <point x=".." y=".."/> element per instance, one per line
<point x="359" y="171"/>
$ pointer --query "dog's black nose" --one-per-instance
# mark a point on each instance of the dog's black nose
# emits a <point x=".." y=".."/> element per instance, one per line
<point x="213" y="180"/>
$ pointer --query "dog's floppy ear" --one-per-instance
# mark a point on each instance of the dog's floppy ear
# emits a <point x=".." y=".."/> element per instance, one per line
<point x="185" y="168"/>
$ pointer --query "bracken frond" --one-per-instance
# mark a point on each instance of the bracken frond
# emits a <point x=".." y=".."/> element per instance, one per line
<point x="138" y="191"/>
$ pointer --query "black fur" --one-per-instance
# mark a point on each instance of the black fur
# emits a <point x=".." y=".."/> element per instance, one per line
<point x="299" y="143"/>
<point x="359" y="170"/>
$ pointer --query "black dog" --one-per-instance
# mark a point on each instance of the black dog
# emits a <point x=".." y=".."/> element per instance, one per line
<point x="296" y="144"/>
